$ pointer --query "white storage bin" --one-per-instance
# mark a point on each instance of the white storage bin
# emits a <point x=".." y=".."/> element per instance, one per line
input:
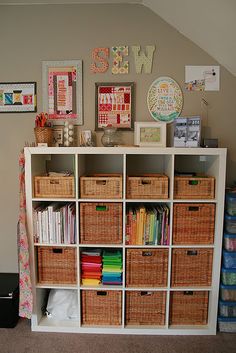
<point x="227" y="324"/>
<point x="230" y="242"/>
<point x="229" y="259"/>
<point x="227" y="309"/>
<point x="228" y="276"/>
<point x="227" y="292"/>
<point x="230" y="224"/>
<point x="230" y="203"/>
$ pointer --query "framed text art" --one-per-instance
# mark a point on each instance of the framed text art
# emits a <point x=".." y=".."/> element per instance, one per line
<point x="151" y="134"/>
<point x="165" y="99"/>
<point x="62" y="91"/>
<point x="17" y="97"/>
<point x="114" y="105"/>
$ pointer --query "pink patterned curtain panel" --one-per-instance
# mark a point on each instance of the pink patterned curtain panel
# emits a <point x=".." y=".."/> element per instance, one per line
<point x="26" y="297"/>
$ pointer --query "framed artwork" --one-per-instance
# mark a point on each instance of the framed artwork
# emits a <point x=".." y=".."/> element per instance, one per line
<point x="151" y="134"/>
<point x="114" y="105"/>
<point x="62" y="91"/>
<point x="187" y="131"/>
<point x="58" y="136"/>
<point x="18" y="97"/>
<point x="165" y="99"/>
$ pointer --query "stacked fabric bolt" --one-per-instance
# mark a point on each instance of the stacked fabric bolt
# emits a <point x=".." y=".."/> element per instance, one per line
<point x="112" y="267"/>
<point x="91" y="267"/>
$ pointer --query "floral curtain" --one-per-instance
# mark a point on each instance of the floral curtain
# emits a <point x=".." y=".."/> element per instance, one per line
<point x="26" y="297"/>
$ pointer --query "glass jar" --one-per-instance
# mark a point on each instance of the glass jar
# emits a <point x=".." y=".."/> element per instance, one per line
<point x="110" y="137"/>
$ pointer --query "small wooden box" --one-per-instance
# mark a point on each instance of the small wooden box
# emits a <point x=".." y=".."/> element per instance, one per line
<point x="54" y="186"/>
<point x="147" y="186"/>
<point x="101" y="186"/>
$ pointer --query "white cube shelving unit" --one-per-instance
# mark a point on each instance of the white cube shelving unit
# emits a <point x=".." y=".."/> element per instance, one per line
<point x="126" y="161"/>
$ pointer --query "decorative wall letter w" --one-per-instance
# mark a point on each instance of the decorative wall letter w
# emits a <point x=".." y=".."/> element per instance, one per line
<point x="143" y="60"/>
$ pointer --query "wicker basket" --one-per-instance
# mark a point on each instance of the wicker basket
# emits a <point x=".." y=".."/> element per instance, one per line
<point x="54" y="186"/>
<point x="145" y="308"/>
<point x="147" y="186"/>
<point x="101" y="223"/>
<point x="193" y="223"/>
<point x="57" y="265"/>
<point x="146" y="268"/>
<point x="101" y="307"/>
<point x="101" y="186"/>
<point x="189" y="308"/>
<point x="191" y="267"/>
<point x="198" y="187"/>
<point x="44" y="135"/>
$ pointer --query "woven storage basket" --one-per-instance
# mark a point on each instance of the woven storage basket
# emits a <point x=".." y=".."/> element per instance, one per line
<point x="101" y="307"/>
<point x="57" y="265"/>
<point x="101" y="186"/>
<point x="101" y="223"/>
<point x="147" y="186"/>
<point x="145" y="308"/>
<point x="191" y="267"/>
<point x="45" y="186"/>
<point x="146" y="268"/>
<point x="198" y="187"/>
<point x="43" y="135"/>
<point x="189" y="308"/>
<point x="193" y="223"/>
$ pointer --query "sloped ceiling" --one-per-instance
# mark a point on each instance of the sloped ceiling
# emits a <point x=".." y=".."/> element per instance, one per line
<point x="211" y="24"/>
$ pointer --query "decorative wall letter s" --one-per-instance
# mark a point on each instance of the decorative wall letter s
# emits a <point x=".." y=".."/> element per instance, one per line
<point x="118" y="53"/>
<point x="103" y="63"/>
<point x="143" y="60"/>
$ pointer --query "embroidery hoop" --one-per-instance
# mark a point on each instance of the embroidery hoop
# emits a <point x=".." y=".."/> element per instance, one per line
<point x="165" y="99"/>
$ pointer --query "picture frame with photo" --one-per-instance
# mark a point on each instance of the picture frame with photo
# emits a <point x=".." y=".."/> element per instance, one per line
<point x="150" y="134"/>
<point x="62" y="91"/>
<point x="58" y="136"/>
<point x="114" y="105"/>
<point x="187" y="132"/>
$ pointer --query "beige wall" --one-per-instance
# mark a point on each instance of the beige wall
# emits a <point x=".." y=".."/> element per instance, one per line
<point x="30" y="34"/>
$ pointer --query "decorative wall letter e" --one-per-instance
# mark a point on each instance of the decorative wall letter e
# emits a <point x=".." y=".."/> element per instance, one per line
<point x="120" y="66"/>
<point x="142" y="60"/>
<point x="103" y="63"/>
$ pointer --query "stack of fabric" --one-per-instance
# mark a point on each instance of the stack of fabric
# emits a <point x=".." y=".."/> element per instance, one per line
<point x="91" y="267"/>
<point x="112" y="267"/>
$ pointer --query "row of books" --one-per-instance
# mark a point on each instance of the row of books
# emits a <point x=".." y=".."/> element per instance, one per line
<point x="55" y="223"/>
<point x="148" y="225"/>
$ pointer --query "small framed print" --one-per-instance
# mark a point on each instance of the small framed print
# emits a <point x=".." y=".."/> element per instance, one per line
<point x="58" y="136"/>
<point x="114" y="105"/>
<point x="150" y="134"/>
<point x="18" y="97"/>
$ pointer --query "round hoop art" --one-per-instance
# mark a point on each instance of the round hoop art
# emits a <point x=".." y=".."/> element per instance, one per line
<point x="165" y="99"/>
